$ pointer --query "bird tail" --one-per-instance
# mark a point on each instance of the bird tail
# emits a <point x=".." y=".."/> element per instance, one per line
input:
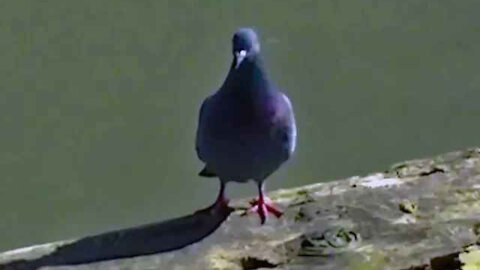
<point x="207" y="173"/>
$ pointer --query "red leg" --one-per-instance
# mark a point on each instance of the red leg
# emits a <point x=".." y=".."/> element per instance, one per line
<point x="263" y="205"/>
<point x="220" y="204"/>
<point x="221" y="195"/>
<point x="221" y="201"/>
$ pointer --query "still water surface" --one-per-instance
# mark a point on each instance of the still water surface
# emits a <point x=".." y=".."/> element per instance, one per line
<point x="99" y="99"/>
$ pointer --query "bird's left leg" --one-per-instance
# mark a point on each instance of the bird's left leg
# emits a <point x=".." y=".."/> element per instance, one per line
<point x="263" y="205"/>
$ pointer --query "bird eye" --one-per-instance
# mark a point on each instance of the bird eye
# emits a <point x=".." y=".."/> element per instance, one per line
<point x="242" y="53"/>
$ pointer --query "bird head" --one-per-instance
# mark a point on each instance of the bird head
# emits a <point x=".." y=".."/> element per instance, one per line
<point x="245" y="45"/>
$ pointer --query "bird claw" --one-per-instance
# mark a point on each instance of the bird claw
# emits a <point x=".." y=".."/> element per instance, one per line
<point x="264" y="206"/>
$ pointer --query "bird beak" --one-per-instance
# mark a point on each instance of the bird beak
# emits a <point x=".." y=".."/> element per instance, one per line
<point x="239" y="56"/>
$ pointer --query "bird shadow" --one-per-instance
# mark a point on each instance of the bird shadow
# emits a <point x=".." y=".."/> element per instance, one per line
<point x="131" y="242"/>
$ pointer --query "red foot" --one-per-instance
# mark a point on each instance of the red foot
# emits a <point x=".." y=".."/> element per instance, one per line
<point x="263" y="206"/>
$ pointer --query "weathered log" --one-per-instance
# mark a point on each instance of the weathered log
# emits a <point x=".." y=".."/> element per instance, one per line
<point x="419" y="214"/>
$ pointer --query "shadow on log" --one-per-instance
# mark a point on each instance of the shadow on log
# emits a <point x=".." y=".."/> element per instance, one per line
<point x="143" y="240"/>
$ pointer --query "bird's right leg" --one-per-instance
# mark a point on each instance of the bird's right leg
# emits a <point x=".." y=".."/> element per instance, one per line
<point x="221" y="195"/>
<point x="221" y="203"/>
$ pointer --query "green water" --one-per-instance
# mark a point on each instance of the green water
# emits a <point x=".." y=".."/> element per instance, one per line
<point x="99" y="99"/>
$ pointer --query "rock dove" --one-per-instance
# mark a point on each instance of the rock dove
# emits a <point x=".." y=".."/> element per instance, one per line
<point x="247" y="128"/>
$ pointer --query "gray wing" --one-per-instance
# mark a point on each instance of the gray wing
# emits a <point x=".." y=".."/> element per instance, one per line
<point x="285" y="127"/>
<point x="200" y="137"/>
<point x="202" y="125"/>
<point x="290" y="125"/>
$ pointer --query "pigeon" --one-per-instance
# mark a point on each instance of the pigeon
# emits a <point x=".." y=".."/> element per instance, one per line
<point x="246" y="129"/>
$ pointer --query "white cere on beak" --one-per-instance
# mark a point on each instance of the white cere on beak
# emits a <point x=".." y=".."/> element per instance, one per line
<point x="239" y="57"/>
